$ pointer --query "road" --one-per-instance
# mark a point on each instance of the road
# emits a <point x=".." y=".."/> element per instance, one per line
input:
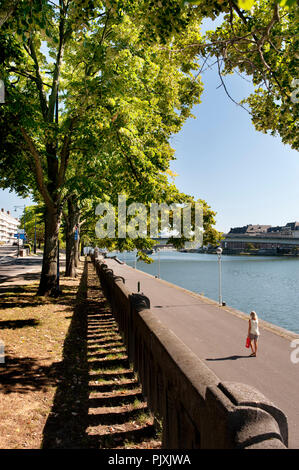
<point x="14" y="270"/>
<point x="217" y="336"/>
<point x="7" y="253"/>
<point x="17" y="271"/>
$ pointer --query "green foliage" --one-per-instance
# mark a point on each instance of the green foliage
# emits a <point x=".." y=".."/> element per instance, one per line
<point x="262" y="44"/>
<point x="34" y="214"/>
<point x="122" y="94"/>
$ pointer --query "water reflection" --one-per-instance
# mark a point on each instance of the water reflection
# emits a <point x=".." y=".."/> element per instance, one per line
<point x="268" y="285"/>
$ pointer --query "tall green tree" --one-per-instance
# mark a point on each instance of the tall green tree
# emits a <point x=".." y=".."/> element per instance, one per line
<point x="81" y="76"/>
<point x="262" y="44"/>
<point x="257" y="38"/>
<point x="34" y="224"/>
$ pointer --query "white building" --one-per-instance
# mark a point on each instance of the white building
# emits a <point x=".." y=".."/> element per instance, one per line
<point x="8" y="227"/>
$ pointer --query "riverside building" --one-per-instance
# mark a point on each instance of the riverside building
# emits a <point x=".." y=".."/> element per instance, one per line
<point x="8" y="227"/>
<point x="263" y="239"/>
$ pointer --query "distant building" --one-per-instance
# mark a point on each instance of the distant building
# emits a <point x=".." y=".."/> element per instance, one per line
<point x="263" y="239"/>
<point x="250" y="229"/>
<point x="8" y="227"/>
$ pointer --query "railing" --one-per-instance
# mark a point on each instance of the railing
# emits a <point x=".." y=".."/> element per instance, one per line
<point x="197" y="410"/>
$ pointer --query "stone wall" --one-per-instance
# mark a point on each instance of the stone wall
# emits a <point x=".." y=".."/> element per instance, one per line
<point x="197" y="410"/>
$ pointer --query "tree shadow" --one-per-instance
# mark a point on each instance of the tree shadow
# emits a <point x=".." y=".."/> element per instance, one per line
<point x="25" y="296"/>
<point x="26" y="374"/>
<point x="22" y="276"/>
<point x="80" y="411"/>
<point x="14" y="324"/>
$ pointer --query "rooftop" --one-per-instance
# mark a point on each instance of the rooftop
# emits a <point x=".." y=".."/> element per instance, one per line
<point x="258" y="229"/>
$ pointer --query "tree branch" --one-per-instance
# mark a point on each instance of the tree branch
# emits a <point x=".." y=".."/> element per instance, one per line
<point x="38" y="79"/>
<point x="260" y="42"/>
<point x="7" y="10"/>
<point x="53" y="96"/>
<point x="135" y="174"/>
<point x="25" y="74"/>
<point x="38" y="168"/>
<point x="226" y="91"/>
<point x="65" y="153"/>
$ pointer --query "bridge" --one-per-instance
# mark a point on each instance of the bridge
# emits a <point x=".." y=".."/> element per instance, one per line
<point x="162" y="243"/>
<point x="238" y="242"/>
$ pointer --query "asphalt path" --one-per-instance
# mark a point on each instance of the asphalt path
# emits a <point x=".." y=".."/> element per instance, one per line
<point x="217" y="336"/>
<point x="20" y="270"/>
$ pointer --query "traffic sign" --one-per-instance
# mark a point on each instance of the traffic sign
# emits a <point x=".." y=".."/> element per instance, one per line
<point x="20" y="236"/>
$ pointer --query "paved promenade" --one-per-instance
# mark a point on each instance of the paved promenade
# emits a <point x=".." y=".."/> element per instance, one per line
<point x="217" y="336"/>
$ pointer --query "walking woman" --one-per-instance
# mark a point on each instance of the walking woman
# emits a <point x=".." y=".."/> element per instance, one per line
<point x="253" y="332"/>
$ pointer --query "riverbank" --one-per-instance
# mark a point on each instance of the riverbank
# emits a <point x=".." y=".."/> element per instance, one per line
<point x="217" y="336"/>
<point x="268" y="285"/>
<point x="272" y="253"/>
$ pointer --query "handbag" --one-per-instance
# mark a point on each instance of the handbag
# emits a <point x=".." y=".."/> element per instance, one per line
<point x="247" y="342"/>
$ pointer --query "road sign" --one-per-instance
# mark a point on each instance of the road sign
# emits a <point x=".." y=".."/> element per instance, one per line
<point x="20" y="230"/>
<point x="20" y="236"/>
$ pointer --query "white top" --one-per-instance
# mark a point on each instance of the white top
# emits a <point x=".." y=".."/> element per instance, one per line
<point x="254" y="327"/>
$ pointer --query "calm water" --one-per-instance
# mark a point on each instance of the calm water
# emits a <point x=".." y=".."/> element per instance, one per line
<point x="270" y="286"/>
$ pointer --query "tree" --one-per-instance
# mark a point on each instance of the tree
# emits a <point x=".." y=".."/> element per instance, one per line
<point x="116" y="92"/>
<point x="257" y="38"/>
<point x="263" y="45"/>
<point x="34" y="223"/>
<point x="6" y="10"/>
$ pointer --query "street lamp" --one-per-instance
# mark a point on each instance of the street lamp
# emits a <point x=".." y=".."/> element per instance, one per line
<point x="34" y="247"/>
<point x="219" y="253"/>
<point x="135" y="258"/>
<point x="15" y="208"/>
<point x="158" y="250"/>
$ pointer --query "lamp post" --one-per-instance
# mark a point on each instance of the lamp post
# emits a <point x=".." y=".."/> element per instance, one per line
<point x="18" y="207"/>
<point x="15" y="208"/>
<point x="158" y="250"/>
<point x="219" y="253"/>
<point x="34" y="246"/>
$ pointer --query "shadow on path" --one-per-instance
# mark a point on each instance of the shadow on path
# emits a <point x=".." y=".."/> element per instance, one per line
<point x="228" y="358"/>
<point x="14" y="324"/>
<point x="26" y="374"/>
<point x="98" y="401"/>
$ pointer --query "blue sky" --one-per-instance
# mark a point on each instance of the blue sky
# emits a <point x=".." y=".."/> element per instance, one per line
<point x="244" y="175"/>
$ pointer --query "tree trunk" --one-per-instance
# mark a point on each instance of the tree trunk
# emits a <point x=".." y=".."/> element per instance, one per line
<point x="72" y="222"/>
<point x="48" y="281"/>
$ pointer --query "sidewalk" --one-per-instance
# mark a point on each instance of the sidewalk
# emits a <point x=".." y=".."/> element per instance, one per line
<point x="217" y="336"/>
<point x="23" y="270"/>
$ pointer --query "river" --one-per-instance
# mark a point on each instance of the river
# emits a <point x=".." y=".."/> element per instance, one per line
<point x="268" y="285"/>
